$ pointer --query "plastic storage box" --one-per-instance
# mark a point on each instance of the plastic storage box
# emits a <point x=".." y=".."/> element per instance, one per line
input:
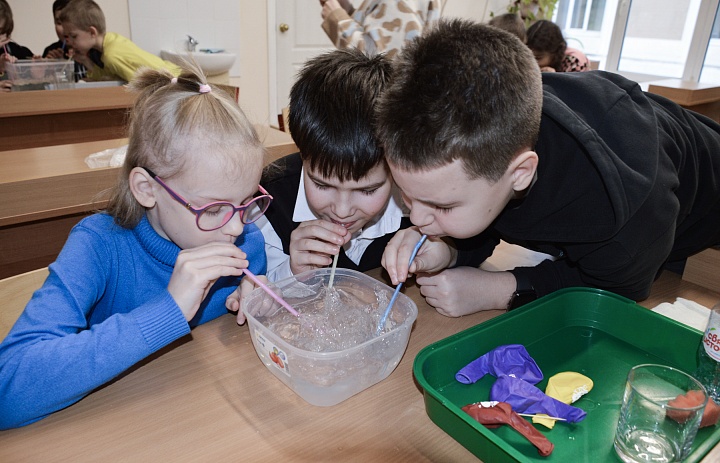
<point x="593" y="332"/>
<point x="328" y="378"/>
<point x="41" y="74"/>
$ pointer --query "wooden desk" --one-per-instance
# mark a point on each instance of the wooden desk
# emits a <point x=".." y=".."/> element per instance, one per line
<point x="46" y="191"/>
<point x="58" y="117"/>
<point x="209" y="398"/>
<point x="703" y="98"/>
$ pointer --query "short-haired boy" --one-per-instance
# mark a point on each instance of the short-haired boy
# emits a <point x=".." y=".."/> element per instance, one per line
<point x="336" y="195"/>
<point x="613" y="182"/>
<point x="106" y="55"/>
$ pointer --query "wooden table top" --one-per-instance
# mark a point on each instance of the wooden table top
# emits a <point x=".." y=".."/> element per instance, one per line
<point x="685" y="92"/>
<point x="18" y="104"/>
<point x="208" y="397"/>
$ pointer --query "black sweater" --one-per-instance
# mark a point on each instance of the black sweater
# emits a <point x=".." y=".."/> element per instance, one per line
<point x="627" y="181"/>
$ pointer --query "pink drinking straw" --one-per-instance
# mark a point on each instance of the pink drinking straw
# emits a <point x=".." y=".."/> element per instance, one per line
<point x="272" y="293"/>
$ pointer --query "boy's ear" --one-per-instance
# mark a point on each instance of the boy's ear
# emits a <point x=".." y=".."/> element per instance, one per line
<point x="523" y="169"/>
<point x="141" y="187"/>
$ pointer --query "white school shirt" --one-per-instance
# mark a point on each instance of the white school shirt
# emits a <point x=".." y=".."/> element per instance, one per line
<point x="278" y="263"/>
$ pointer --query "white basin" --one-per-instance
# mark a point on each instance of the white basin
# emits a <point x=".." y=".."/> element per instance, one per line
<point x="212" y="64"/>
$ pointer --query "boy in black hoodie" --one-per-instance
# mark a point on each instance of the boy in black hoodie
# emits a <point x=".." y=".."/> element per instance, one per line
<point x="614" y="183"/>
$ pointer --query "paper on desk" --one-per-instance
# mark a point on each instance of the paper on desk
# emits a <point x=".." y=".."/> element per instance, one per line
<point x="685" y="311"/>
<point x="113" y="157"/>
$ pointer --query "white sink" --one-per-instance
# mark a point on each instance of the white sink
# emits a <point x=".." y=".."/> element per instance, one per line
<point x="212" y="64"/>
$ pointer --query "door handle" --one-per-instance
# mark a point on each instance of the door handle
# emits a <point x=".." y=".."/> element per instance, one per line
<point x="284" y="28"/>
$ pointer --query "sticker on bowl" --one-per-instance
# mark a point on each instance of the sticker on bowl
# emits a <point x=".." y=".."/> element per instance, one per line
<point x="276" y="355"/>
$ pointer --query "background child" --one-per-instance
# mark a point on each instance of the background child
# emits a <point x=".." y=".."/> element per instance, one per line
<point x="336" y="194"/>
<point x="9" y="50"/>
<point x="547" y="43"/>
<point x="60" y="49"/>
<point x="106" y="55"/>
<point x="614" y="183"/>
<point x="378" y="26"/>
<point x="166" y="255"/>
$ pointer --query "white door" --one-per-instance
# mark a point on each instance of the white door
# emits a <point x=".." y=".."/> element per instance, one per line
<point x="298" y="37"/>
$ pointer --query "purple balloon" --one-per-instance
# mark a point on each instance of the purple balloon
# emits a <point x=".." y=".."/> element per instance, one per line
<point x="510" y="360"/>
<point x="526" y="398"/>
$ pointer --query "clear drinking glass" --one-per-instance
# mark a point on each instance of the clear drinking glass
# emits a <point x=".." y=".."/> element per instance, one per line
<point x="650" y="430"/>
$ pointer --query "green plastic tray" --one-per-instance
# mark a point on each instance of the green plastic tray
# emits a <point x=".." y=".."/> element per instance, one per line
<point x="590" y="331"/>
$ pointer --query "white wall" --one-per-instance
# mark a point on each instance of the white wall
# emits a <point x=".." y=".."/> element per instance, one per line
<point x="165" y="24"/>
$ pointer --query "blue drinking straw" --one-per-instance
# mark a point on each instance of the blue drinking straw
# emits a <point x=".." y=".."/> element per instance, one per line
<point x="397" y="288"/>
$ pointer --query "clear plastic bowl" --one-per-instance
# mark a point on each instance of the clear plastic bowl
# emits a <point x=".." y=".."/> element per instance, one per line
<point x="329" y="377"/>
<point x="41" y="74"/>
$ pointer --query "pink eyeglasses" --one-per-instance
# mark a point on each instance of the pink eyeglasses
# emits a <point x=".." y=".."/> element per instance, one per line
<point x="215" y="215"/>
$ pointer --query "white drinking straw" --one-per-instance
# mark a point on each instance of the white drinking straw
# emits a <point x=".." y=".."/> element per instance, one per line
<point x="272" y="294"/>
<point x="332" y="271"/>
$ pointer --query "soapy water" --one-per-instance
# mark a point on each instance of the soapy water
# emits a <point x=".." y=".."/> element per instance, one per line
<point x="331" y="320"/>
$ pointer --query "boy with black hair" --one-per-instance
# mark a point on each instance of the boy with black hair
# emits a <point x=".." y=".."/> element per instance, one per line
<point x="615" y="183"/>
<point x="336" y="195"/>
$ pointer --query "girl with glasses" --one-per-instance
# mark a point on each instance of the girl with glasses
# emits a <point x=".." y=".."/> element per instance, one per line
<point x="165" y="256"/>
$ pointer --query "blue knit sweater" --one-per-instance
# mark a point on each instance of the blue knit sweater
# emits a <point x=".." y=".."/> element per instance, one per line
<point x="104" y="307"/>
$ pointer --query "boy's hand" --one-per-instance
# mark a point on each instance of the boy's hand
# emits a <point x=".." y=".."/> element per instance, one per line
<point x="55" y="53"/>
<point x="6" y="58"/>
<point x="314" y="243"/>
<point x="433" y="256"/>
<point x="197" y="269"/>
<point x="82" y="59"/>
<point x="464" y="290"/>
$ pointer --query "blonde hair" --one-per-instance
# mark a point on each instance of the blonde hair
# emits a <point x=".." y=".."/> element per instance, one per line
<point x="84" y="14"/>
<point x="170" y="117"/>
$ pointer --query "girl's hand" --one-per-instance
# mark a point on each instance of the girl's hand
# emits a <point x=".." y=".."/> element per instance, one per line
<point x="197" y="269"/>
<point x="433" y="256"/>
<point x="314" y="243"/>
<point x="266" y="305"/>
<point x="5" y="85"/>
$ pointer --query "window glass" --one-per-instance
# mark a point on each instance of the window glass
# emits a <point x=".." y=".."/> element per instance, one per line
<point x="711" y="66"/>
<point x="657" y="37"/>
<point x="587" y="25"/>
